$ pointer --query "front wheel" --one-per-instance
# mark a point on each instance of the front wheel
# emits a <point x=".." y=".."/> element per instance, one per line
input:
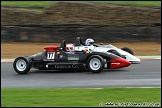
<point x="21" y="65"/>
<point x="95" y="64"/>
<point x="128" y="50"/>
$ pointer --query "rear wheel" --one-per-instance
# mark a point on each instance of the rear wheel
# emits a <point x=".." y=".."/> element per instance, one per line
<point x="95" y="64"/>
<point x="128" y="50"/>
<point x="21" y="65"/>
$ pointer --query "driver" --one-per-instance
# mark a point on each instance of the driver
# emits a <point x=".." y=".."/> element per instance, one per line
<point x="89" y="42"/>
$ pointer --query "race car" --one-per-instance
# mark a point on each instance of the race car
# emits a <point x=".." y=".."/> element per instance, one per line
<point x="67" y="58"/>
<point x="124" y="52"/>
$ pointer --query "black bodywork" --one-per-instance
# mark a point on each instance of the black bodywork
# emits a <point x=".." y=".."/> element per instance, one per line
<point x="66" y="59"/>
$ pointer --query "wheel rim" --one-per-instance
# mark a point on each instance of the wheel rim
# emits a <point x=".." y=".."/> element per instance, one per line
<point x="95" y="64"/>
<point x="21" y="65"/>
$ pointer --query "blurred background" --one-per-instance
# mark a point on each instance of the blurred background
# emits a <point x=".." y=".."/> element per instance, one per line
<point x="28" y="26"/>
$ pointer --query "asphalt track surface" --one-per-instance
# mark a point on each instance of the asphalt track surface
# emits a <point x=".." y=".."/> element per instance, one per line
<point x="146" y="74"/>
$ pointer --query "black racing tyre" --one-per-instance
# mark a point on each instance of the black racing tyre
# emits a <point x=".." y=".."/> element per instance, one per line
<point x="95" y="63"/>
<point x="21" y="65"/>
<point x="128" y="50"/>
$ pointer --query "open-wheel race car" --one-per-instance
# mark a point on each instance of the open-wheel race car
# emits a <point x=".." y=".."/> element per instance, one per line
<point x="124" y="52"/>
<point x="59" y="58"/>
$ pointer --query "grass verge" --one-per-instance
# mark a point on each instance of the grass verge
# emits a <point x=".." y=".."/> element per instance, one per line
<point x="46" y="3"/>
<point x="27" y="3"/>
<point x="19" y="97"/>
<point x="133" y="3"/>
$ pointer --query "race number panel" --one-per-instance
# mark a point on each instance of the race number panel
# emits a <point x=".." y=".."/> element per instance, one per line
<point x="50" y="55"/>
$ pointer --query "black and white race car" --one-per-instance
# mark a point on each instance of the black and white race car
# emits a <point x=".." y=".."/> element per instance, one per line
<point x="124" y="52"/>
<point x="57" y="58"/>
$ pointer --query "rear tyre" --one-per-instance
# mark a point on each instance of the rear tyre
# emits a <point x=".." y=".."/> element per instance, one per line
<point x="21" y="65"/>
<point x="95" y="64"/>
<point x="128" y="50"/>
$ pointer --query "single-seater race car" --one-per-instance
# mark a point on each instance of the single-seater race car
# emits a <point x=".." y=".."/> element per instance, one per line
<point x="124" y="52"/>
<point x="59" y="58"/>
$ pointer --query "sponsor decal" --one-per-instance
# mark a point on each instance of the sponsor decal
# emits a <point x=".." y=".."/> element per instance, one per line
<point x="48" y="60"/>
<point x="73" y="57"/>
<point x="116" y="63"/>
<point x="70" y="52"/>
<point x="60" y="56"/>
<point x="72" y="66"/>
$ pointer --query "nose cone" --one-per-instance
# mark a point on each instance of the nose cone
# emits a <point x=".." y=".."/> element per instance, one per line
<point x="133" y="59"/>
<point x="119" y="63"/>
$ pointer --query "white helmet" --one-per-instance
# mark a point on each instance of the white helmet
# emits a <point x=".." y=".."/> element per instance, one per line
<point x="89" y="42"/>
<point x="70" y="47"/>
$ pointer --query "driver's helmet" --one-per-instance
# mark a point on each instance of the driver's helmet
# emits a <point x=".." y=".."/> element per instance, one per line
<point x="89" y="42"/>
<point x="70" y="47"/>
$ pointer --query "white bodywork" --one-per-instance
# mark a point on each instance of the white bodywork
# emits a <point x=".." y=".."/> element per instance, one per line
<point x="105" y="48"/>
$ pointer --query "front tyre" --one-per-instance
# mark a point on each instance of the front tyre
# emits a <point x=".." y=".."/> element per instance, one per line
<point x="95" y="64"/>
<point x="21" y="65"/>
<point x="128" y="50"/>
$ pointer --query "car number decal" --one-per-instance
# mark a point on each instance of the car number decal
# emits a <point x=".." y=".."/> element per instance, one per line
<point x="50" y="55"/>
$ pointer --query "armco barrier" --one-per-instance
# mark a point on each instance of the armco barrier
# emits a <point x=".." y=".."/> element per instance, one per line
<point x="101" y="33"/>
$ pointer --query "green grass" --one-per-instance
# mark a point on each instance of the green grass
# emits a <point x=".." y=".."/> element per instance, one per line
<point x="46" y="3"/>
<point x="27" y="3"/>
<point x="36" y="97"/>
<point x="138" y="3"/>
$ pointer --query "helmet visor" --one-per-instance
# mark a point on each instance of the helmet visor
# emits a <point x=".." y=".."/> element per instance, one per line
<point x="91" y="43"/>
